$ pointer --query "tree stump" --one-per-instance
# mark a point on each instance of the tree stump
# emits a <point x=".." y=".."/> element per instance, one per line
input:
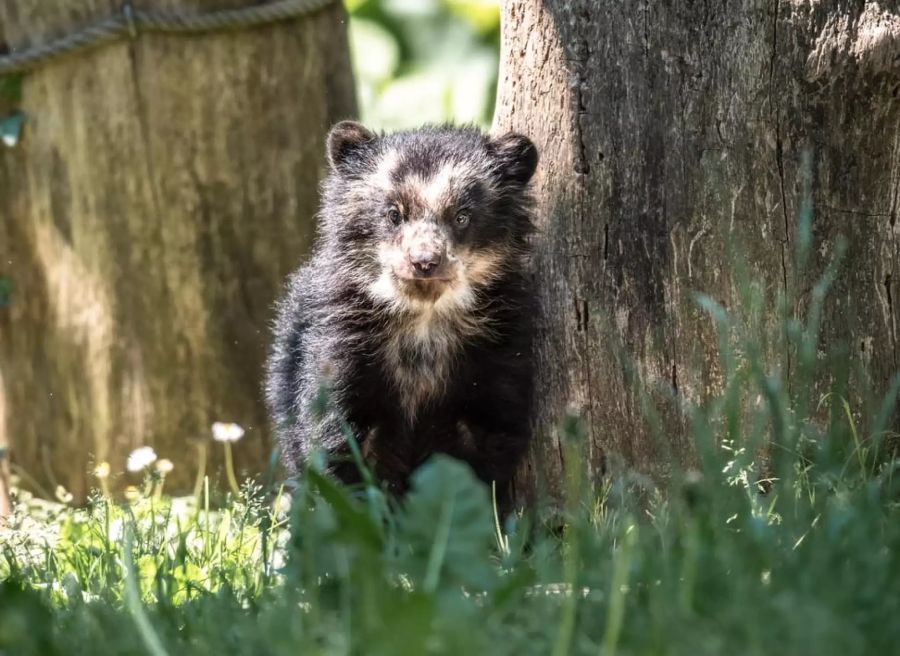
<point x="163" y="189"/>
<point x="669" y="132"/>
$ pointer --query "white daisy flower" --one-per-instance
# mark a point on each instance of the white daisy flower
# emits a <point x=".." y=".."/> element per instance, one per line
<point x="223" y="432"/>
<point x="63" y="495"/>
<point x="164" y="466"/>
<point x="141" y="458"/>
<point x="102" y="470"/>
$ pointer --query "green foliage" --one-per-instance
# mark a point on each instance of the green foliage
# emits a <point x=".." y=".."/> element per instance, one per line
<point x="11" y="123"/>
<point x="11" y="88"/>
<point x="419" y="61"/>
<point x="783" y="539"/>
<point x="11" y="128"/>
<point x="446" y="528"/>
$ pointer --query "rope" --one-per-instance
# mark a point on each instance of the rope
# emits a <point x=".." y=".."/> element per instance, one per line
<point x="130" y="23"/>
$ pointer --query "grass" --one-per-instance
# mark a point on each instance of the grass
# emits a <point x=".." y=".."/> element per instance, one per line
<point x="784" y="539"/>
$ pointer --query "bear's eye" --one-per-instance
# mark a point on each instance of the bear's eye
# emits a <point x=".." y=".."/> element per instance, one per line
<point x="394" y="216"/>
<point x="462" y="219"/>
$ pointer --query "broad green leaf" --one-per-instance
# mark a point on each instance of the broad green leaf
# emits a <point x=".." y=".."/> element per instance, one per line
<point x="354" y="525"/>
<point x="445" y="531"/>
<point x="406" y="626"/>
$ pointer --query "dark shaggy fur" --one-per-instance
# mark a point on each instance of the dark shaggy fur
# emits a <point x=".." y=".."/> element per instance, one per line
<point x="418" y="358"/>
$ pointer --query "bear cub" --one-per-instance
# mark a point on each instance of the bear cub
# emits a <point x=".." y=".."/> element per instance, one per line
<point x="415" y="309"/>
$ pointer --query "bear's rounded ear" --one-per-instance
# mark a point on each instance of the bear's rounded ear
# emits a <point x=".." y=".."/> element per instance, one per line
<point x="345" y="140"/>
<point x="517" y="155"/>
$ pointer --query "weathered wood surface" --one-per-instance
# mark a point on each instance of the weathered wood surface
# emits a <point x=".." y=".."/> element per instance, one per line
<point x="668" y="131"/>
<point x="163" y="189"/>
<point x="5" y="503"/>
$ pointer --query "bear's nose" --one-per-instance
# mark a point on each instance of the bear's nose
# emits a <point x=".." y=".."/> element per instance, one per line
<point x="425" y="262"/>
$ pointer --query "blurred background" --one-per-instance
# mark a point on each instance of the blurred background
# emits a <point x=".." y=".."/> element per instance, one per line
<point x="419" y="61"/>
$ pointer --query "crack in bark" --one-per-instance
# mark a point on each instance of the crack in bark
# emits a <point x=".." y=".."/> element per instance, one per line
<point x="774" y="50"/>
<point x="890" y="302"/>
<point x="579" y="71"/>
<point x="606" y="241"/>
<point x="779" y="163"/>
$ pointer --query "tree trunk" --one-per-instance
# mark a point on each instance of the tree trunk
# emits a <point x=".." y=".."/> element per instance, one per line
<point x="163" y="189"/>
<point x="668" y="132"/>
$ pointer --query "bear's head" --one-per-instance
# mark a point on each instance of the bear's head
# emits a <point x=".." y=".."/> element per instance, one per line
<point x="424" y="218"/>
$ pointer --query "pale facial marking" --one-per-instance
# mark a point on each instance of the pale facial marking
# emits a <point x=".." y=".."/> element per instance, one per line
<point x="435" y="191"/>
<point x="382" y="178"/>
<point x="481" y="267"/>
<point x="455" y="294"/>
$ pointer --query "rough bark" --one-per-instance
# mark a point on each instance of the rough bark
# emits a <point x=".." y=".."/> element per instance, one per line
<point x="670" y="131"/>
<point x="163" y="189"/>
<point x="5" y="504"/>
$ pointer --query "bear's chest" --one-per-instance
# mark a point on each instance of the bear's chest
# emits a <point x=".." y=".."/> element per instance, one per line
<point x="420" y="364"/>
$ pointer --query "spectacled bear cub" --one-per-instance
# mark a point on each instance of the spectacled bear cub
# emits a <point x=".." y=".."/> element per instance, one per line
<point x="416" y="307"/>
